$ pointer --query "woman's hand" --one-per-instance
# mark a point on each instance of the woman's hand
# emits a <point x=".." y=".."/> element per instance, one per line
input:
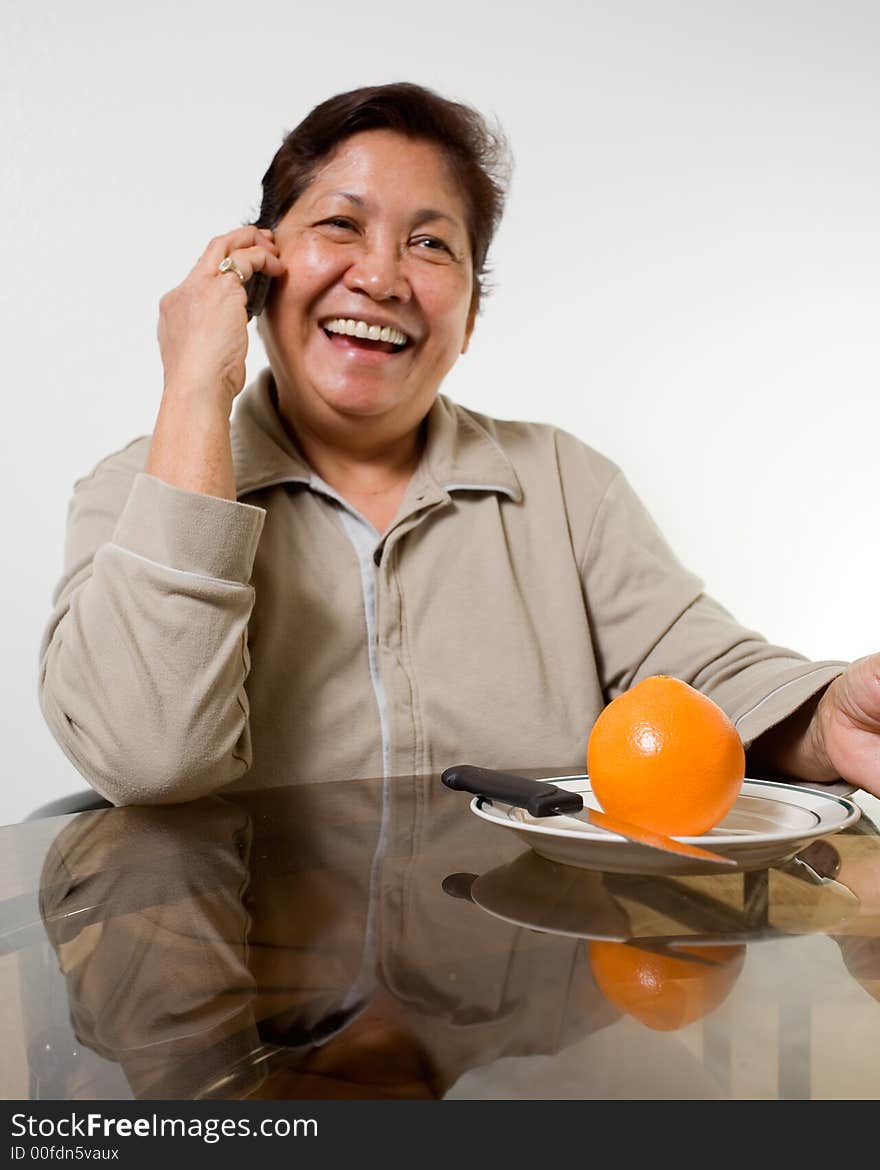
<point x="831" y="737"/>
<point x="203" y="322"/>
<point x="203" y="338"/>
<point x="845" y="728"/>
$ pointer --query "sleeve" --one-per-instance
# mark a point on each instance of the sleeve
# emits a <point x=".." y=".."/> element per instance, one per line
<point x="144" y="660"/>
<point x="650" y="616"/>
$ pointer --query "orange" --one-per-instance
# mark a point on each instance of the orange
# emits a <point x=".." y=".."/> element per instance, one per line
<point x="664" y="756"/>
<point x="665" y="991"/>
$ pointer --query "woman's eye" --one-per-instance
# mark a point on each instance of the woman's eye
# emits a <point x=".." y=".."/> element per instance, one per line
<point x="338" y="221"/>
<point x="432" y="244"/>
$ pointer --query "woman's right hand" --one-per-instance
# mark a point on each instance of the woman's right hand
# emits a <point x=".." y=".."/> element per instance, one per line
<point x="203" y="321"/>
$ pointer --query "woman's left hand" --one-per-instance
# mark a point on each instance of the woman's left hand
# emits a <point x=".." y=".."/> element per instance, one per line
<point x="845" y="728"/>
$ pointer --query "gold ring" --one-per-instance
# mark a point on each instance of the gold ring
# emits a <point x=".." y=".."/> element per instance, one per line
<point x="229" y="265"/>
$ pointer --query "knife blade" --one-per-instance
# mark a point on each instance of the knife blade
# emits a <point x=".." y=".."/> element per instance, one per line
<point x="541" y="799"/>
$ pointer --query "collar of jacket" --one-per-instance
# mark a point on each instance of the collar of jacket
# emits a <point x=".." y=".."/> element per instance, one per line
<point x="459" y="455"/>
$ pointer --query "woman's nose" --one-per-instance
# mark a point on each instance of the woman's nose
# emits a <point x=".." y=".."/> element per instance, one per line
<point x="378" y="271"/>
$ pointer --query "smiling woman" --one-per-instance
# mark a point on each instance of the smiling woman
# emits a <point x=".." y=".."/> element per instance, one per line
<point x="351" y="575"/>
<point x="377" y="241"/>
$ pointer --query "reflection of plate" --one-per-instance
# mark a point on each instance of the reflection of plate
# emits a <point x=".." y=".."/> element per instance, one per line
<point x="557" y="899"/>
<point x="767" y="825"/>
<point x="706" y="909"/>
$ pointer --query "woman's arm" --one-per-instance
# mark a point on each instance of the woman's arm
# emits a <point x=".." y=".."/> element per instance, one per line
<point x="203" y="339"/>
<point x="834" y="736"/>
<point x="788" y="749"/>
<point x="144" y="660"/>
<point x="145" y="657"/>
<point x="816" y="721"/>
<point x="650" y="616"/>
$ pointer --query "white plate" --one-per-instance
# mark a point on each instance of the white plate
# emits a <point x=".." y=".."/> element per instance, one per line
<point x="769" y="823"/>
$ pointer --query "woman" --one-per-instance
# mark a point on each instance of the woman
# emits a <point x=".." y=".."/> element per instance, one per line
<point x="357" y="576"/>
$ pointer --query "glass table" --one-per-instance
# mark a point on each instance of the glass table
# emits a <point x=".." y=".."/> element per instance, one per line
<point x="374" y="939"/>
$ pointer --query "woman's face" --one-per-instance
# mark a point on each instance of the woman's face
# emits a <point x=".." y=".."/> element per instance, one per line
<point x="380" y="239"/>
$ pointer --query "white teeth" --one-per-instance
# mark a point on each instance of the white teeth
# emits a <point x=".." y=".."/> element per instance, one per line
<point x="352" y="328"/>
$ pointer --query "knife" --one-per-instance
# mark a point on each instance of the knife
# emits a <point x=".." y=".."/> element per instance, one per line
<point x="541" y="799"/>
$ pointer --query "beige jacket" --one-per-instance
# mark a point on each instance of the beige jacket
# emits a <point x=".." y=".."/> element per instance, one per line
<point x="197" y="643"/>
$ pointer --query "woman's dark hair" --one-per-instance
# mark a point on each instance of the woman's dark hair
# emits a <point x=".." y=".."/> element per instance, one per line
<point x="477" y="154"/>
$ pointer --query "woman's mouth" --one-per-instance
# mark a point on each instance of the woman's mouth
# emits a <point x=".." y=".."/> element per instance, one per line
<point x="352" y="333"/>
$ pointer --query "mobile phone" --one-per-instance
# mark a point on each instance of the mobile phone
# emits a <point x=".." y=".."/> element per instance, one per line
<point x="257" y="289"/>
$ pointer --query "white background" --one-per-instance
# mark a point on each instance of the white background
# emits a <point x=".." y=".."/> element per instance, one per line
<point x="687" y="276"/>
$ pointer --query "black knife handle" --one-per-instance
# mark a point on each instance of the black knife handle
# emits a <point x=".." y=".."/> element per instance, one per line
<point x="536" y="796"/>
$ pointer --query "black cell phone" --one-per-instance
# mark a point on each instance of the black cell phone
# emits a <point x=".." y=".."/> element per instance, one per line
<point x="257" y="290"/>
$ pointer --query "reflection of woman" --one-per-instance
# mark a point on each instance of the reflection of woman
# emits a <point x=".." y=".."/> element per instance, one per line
<point x="263" y="946"/>
<point x="359" y="576"/>
<point x="153" y="950"/>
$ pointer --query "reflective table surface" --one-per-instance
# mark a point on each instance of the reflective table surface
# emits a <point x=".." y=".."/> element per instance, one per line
<point x="375" y="939"/>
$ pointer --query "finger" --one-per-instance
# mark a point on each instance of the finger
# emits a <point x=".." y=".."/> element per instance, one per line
<point x="860" y="695"/>
<point x="224" y="245"/>
<point x="262" y="260"/>
<point x="255" y="259"/>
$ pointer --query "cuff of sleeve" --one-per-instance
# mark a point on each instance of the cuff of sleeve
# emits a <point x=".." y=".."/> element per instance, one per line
<point x="188" y="531"/>
<point x="802" y="682"/>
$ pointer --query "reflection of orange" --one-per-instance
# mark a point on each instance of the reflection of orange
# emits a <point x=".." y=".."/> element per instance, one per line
<point x="664" y="991"/>
<point x="665" y="756"/>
